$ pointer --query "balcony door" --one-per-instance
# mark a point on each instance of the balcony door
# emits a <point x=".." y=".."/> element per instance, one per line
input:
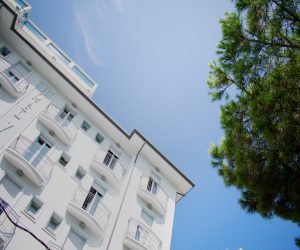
<point x="16" y="72"/>
<point x="65" y="116"/>
<point x="92" y="200"/>
<point x="37" y="151"/>
<point x="152" y="185"/>
<point x="111" y="158"/>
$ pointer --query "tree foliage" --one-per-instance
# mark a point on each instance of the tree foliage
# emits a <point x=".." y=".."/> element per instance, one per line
<point x="257" y="80"/>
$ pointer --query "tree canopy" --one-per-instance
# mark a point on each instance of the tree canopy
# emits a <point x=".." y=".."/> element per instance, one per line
<point x="257" y="81"/>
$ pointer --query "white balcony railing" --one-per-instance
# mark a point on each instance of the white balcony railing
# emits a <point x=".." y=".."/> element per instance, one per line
<point x="65" y="128"/>
<point x="139" y="236"/>
<point x="111" y="169"/>
<point x="154" y="194"/>
<point x="22" y="153"/>
<point x="90" y="210"/>
<point x="7" y="228"/>
<point x="11" y="79"/>
<point x="52" y="246"/>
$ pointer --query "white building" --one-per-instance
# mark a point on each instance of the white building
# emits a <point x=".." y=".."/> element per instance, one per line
<point x="70" y="177"/>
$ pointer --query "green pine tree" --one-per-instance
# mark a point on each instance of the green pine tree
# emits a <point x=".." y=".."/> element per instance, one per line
<point x="257" y="80"/>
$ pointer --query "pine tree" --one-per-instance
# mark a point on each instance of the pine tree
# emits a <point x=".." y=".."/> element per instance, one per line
<point x="257" y="80"/>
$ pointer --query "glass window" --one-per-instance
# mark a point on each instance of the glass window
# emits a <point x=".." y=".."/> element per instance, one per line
<point x="79" y="174"/>
<point x="85" y="126"/>
<point x="147" y="217"/>
<point x="99" y="138"/>
<point x="110" y="159"/>
<point x="64" y="159"/>
<point x="4" y="51"/>
<point x="58" y="53"/>
<point x="35" y="31"/>
<point x="54" y="222"/>
<point x="34" y="207"/>
<point x="21" y="3"/>
<point x="83" y="77"/>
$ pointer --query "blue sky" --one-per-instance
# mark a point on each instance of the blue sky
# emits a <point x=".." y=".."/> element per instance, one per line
<point x="150" y="59"/>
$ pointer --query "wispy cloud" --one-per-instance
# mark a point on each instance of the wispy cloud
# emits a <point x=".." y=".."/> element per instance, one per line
<point x="89" y="13"/>
<point x="91" y="46"/>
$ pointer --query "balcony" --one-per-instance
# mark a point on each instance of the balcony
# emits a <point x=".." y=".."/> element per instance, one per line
<point x="29" y="160"/>
<point x="7" y="228"/>
<point x="153" y="194"/>
<point x="140" y="237"/>
<point x="89" y="210"/>
<point x="52" y="246"/>
<point x="110" y="169"/>
<point x="60" y="122"/>
<point x="12" y="79"/>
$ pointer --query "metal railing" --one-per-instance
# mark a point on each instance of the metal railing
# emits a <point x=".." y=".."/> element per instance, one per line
<point x="51" y="245"/>
<point x="155" y="189"/>
<point x="7" y="228"/>
<point x="28" y="151"/>
<point x="117" y="169"/>
<point x="21" y="84"/>
<point x="87" y="202"/>
<point x="143" y="235"/>
<point x="68" y="126"/>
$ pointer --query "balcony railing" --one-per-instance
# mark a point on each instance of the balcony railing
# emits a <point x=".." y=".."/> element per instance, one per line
<point x="7" y="228"/>
<point x="90" y="210"/>
<point x="154" y="194"/>
<point x="112" y="170"/>
<point x="52" y="246"/>
<point x="11" y="79"/>
<point x="139" y="236"/>
<point x="22" y="153"/>
<point x="65" y="128"/>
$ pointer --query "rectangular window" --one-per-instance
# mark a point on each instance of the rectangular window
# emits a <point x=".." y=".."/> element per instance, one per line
<point x="34" y="207"/>
<point x="99" y="138"/>
<point x="54" y="222"/>
<point x="92" y="200"/>
<point x="16" y="72"/>
<point x="4" y="51"/>
<point x="37" y="151"/>
<point x="85" y="126"/>
<point x="35" y="31"/>
<point x="59" y="53"/>
<point x="152" y="186"/>
<point x="79" y="174"/>
<point x="110" y="159"/>
<point x="147" y="217"/>
<point x="82" y="76"/>
<point x="64" y="159"/>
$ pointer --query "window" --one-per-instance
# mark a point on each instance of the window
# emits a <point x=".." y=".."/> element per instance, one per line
<point x="92" y="200"/>
<point x="16" y="72"/>
<point x="53" y="223"/>
<point x="152" y="186"/>
<point x="59" y="53"/>
<point x="147" y="217"/>
<point x="66" y="114"/>
<point x="79" y="174"/>
<point x="110" y="159"/>
<point x="4" y="51"/>
<point x="85" y="126"/>
<point x="82" y="76"/>
<point x="64" y="159"/>
<point x="99" y="138"/>
<point x="34" y="207"/>
<point x="36" y="152"/>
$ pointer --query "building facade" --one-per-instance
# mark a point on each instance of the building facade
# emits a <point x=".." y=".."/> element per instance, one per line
<point x="70" y="177"/>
